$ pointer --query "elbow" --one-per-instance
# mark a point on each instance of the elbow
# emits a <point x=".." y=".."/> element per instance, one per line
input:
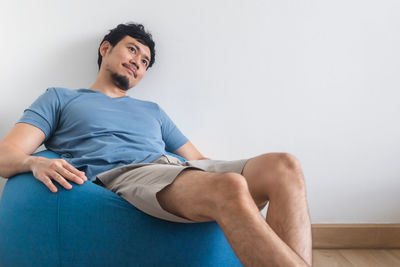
<point x="5" y="175"/>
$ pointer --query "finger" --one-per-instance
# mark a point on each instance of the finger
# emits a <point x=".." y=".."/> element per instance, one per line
<point x="47" y="181"/>
<point x="69" y="175"/>
<point x="56" y="176"/>
<point x="75" y="171"/>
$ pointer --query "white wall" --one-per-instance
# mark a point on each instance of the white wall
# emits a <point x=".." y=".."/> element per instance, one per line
<point x="318" y="79"/>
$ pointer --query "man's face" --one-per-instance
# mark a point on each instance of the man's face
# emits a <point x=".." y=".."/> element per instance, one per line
<point x="126" y="62"/>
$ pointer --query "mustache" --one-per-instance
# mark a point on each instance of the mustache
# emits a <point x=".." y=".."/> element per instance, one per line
<point x="132" y="67"/>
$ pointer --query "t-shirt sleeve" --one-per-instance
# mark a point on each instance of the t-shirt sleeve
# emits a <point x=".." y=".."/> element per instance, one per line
<point x="171" y="135"/>
<point x="43" y="112"/>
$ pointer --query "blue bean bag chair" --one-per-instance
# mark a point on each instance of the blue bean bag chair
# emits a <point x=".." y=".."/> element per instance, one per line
<point x="92" y="226"/>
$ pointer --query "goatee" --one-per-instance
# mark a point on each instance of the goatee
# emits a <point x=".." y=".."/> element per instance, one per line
<point x="121" y="81"/>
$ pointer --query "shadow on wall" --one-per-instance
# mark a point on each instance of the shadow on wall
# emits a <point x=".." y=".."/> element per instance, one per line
<point x="71" y="64"/>
<point x="79" y="63"/>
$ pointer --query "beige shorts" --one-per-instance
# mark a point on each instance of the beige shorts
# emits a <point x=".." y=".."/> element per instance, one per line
<point x="139" y="183"/>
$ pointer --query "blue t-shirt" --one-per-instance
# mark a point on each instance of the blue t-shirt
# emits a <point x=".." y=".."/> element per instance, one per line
<point x="96" y="133"/>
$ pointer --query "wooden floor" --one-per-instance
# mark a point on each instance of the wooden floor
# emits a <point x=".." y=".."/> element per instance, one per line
<point x="356" y="257"/>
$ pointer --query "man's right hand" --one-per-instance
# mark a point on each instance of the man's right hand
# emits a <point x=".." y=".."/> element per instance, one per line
<point x="46" y="170"/>
<point x="15" y="157"/>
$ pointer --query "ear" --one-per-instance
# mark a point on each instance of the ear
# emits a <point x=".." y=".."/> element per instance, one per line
<point x="104" y="47"/>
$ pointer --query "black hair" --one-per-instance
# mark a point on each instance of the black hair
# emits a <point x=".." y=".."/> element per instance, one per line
<point x="134" y="30"/>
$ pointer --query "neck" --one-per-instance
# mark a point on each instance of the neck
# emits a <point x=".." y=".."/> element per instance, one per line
<point x="107" y="87"/>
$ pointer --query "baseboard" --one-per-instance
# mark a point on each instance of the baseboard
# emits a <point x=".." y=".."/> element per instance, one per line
<point x="376" y="236"/>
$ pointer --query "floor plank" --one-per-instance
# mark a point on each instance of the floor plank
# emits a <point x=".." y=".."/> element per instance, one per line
<point x="356" y="257"/>
<point x="394" y="253"/>
<point x="360" y="257"/>
<point x="329" y="258"/>
<point x="384" y="258"/>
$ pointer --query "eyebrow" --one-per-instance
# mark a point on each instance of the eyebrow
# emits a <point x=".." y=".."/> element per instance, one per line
<point x="138" y="48"/>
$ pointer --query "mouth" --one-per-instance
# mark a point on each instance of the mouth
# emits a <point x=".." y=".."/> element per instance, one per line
<point x="131" y="71"/>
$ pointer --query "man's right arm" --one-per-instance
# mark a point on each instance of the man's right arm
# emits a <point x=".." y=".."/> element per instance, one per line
<point x="15" y="157"/>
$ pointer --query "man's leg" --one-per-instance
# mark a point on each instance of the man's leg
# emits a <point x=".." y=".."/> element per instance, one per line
<point x="278" y="177"/>
<point x="225" y="198"/>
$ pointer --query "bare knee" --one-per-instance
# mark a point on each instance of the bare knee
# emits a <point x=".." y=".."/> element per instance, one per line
<point x="201" y="201"/>
<point x="278" y="171"/>
<point x="230" y="189"/>
<point x="288" y="161"/>
<point x="289" y="168"/>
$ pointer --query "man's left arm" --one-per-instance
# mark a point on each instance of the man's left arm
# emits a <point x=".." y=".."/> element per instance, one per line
<point x="189" y="152"/>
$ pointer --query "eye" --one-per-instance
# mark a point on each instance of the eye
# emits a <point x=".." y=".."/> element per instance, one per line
<point x="132" y="49"/>
<point x="145" y="62"/>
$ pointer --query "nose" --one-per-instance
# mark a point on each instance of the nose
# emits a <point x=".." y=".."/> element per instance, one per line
<point x="133" y="61"/>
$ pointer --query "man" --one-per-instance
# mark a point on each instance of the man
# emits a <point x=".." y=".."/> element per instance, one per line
<point x="120" y="143"/>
